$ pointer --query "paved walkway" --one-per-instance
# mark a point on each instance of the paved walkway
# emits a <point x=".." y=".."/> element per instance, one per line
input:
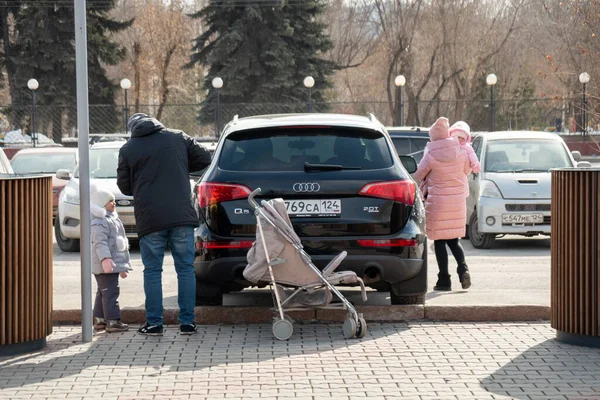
<point x="405" y="360"/>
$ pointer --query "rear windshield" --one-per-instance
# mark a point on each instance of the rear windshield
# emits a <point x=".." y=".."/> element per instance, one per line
<point x="287" y="149"/>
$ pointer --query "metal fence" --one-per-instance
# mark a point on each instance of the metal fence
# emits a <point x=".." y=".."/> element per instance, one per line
<point x="531" y="114"/>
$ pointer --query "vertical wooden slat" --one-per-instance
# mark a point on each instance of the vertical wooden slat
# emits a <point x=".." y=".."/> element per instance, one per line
<point x="11" y="262"/>
<point x="25" y="259"/>
<point x="3" y="264"/>
<point x="23" y="186"/>
<point x="49" y="258"/>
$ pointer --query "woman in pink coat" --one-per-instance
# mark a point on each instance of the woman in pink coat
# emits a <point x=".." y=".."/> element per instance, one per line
<point x="446" y="166"/>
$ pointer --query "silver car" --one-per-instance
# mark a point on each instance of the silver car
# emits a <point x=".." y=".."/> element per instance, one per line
<point x="511" y="195"/>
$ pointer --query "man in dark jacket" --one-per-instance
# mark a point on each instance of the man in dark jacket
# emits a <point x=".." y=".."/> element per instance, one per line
<point x="154" y="168"/>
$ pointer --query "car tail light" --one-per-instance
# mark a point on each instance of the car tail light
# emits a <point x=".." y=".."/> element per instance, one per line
<point x="243" y="244"/>
<point x="388" y="243"/>
<point x="401" y="191"/>
<point x="210" y="193"/>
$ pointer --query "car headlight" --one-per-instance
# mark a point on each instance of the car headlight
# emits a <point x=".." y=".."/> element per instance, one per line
<point x="71" y="196"/>
<point x="489" y="189"/>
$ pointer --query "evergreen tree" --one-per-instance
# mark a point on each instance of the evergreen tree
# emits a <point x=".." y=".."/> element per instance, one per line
<point x="44" y="48"/>
<point x="262" y="52"/>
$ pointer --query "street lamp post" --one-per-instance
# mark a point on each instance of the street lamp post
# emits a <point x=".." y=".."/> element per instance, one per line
<point x="217" y="83"/>
<point x="125" y="85"/>
<point x="33" y="85"/>
<point x="309" y="82"/>
<point x="491" y="80"/>
<point x="399" y="81"/>
<point x="584" y="78"/>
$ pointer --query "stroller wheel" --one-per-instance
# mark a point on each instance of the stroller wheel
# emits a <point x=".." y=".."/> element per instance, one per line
<point x="362" y="328"/>
<point x="349" y="328"/>
<point x="282" y="329"/>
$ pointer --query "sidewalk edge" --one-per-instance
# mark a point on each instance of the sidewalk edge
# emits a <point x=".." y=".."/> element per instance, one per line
<point x="259" y="315"/>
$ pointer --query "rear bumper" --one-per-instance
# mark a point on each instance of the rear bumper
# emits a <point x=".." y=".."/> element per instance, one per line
<point x="372" y="268"/>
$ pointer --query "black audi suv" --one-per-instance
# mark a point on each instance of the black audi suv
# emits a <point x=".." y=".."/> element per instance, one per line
<point x="345" y="189"/>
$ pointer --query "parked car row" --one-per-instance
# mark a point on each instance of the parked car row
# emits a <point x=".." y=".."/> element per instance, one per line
<point x="347" y="186"/>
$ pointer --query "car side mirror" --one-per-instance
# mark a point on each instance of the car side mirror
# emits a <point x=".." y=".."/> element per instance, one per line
<point x="409" y="164"/>
<point x="576" y="155"/>
<point x="63" y="174"/>
<point x="584" y="164"/>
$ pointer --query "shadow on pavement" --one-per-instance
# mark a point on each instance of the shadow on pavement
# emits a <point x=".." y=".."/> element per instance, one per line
<point x="434" y="294"/>
<point x="512" y="246"/>
<point x="550" y="370"/>
<point x="211" y="346"/>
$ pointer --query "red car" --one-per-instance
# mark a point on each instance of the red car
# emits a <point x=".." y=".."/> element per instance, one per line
<point x="46" y="160"/>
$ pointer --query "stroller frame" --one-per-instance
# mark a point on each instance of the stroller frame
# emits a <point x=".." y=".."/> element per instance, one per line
<point x="354" y="324"/>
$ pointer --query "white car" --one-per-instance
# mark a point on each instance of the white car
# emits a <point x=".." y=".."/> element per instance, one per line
<point x="511" y="195"/>
<point x="103" y="173"/>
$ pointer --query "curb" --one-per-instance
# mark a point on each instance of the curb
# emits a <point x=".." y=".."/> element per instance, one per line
<point x="260" y="315"/>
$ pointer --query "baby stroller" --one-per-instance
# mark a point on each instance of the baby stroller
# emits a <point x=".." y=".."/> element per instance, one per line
<point x="296" y="283"/>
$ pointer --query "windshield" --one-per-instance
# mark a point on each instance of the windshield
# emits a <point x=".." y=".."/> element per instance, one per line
<point x="516" y="155"/>
<point x="46" y="163"/>
<point x="103" y="163"/>
<point x="289" y="149"/>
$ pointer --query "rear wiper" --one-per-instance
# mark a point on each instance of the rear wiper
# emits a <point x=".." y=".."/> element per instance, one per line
<point x="325" y="167"/>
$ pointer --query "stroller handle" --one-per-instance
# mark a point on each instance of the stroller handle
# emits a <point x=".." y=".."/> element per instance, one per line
<point x="251" y="200"/>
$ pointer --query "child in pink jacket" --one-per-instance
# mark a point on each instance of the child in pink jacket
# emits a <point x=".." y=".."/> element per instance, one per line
<point x="446" y="166"/>
<point x="462" y="132"/>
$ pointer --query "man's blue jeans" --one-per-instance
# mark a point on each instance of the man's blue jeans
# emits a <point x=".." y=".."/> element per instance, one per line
<point x="152" y="247"/>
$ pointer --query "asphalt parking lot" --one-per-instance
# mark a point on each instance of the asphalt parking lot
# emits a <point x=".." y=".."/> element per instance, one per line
<point x="515" y="272"/>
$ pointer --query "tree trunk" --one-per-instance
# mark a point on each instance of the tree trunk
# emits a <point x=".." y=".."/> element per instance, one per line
<point x="137" y="78"/>
<point x="164" y="85"/>
<point x="10" y="69"/>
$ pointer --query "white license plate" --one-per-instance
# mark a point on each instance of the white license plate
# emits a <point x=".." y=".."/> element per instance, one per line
<point x="314" y="208"/>
<point x="523" y="218"/>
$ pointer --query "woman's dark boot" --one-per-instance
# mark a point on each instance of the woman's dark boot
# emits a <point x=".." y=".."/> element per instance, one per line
<point x="443" y="283"/>
<point x="464" y="276"/>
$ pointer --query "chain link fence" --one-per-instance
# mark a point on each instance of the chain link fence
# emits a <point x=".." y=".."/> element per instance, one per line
<point x="562" y="115"/>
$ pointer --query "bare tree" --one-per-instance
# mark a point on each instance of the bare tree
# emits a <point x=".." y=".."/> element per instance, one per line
<point x="472" y="43"/>
<point x="350" y="29"/>
<point x="158" y="46"/>
<point x="398" y="24"/>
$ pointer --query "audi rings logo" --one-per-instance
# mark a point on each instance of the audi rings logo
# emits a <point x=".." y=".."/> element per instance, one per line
<point x="306" y="187"/>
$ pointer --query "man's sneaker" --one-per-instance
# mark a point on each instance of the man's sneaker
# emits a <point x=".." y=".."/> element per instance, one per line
<point x="187" y="329"/>
<point x="151" y="330"/>
<point x="116" y="326"/>
<point x="100" y="324"/>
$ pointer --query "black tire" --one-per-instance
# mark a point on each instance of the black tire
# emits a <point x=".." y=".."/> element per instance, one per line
<point x="65" y="244"/>
<point x="406" y="300"/>
<point x="479" y="240"/>
<point x="208" y="294"/>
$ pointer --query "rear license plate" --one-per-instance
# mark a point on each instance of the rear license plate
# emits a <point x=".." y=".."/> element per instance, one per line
<point x="314" y="208"/>
<point x="522" y="218"/>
